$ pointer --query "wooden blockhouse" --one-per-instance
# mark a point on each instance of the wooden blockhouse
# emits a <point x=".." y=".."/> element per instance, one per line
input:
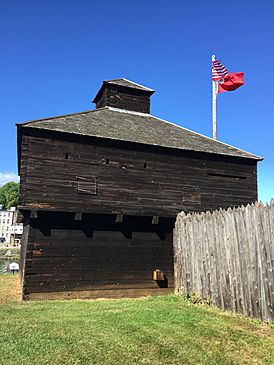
<point x="100" y="190"/>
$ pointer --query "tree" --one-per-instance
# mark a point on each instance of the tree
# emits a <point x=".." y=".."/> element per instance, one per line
<point x="9" y="195"/>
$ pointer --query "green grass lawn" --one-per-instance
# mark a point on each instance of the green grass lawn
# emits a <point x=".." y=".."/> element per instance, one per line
<point x="155" y="330"/>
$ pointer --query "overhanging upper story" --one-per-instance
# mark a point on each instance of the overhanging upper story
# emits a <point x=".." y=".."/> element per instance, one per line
<point x="113" y="160"/>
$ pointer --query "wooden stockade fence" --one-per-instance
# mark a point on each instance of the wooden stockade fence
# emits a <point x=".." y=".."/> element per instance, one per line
<point x="227" y="257"/>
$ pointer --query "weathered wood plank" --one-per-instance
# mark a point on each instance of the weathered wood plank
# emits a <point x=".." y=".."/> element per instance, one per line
<point x="117" y="255"/>
<point x="227" y="257"/>
<point x="124" y="185"/>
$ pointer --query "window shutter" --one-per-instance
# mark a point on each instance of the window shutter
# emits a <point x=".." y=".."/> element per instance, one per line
<point x="87" y="185"/>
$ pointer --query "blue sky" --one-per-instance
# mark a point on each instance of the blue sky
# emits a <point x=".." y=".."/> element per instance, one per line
<point x="55" y="54"/>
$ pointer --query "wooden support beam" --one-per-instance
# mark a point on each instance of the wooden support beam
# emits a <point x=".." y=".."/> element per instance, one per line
<point x="78" y="216"/>
<point x="33" y="213"/>
<point x="155" y="219"/>
<point x="119" y="218"/>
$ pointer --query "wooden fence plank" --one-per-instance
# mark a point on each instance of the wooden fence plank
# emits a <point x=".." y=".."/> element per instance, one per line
<point x="227" y="257"/>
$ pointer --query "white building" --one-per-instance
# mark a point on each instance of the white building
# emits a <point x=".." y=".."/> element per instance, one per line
<point x="16" y="231"/>
<point x="10" y="230"/>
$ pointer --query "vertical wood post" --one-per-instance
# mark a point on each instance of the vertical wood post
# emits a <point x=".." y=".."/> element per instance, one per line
<point x="214" y="107"/>
<point x="227" y="257"/>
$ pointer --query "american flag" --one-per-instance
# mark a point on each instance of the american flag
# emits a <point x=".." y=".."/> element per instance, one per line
<point x="218" y="71"/>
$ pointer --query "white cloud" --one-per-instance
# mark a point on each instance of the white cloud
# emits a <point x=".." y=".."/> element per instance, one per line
<point x="6" y="177"/>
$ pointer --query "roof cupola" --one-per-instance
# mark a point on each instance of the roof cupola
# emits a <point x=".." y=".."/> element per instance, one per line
<point x="124" y="94"/>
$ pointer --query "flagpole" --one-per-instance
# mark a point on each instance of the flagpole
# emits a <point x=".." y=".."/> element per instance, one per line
<point x="214" y="107"/>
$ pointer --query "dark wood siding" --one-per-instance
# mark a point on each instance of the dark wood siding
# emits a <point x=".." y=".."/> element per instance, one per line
<point x="124" y="98"/>
<point x="99" y="214"/>
<point x="129" y="181"/>
<point x="103" y="98"/>
<point x="96" y="254"/>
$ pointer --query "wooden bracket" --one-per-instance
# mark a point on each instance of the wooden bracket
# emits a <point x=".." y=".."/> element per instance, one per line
<point x="78" y="216"/>
<point x="119" y="218"/>
<point x="155" y="219"/>
<point x="33" y="213"/>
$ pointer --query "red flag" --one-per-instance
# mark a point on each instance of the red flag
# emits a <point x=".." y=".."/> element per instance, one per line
<point x="231" y="82"/>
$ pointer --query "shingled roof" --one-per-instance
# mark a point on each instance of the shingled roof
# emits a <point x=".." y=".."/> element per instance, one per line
<point x="127" y="83"/>
<point x="123" y="125"/>
<point x="124" y="83"/>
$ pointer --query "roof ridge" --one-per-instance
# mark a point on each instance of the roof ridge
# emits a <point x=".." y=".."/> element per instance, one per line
<point x="126" y="111"/>
<point x="135" y="83"/>
<point x="131" y="82"/>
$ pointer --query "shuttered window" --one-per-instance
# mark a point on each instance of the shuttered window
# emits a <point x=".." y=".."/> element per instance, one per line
<point x="86" y="185"/>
